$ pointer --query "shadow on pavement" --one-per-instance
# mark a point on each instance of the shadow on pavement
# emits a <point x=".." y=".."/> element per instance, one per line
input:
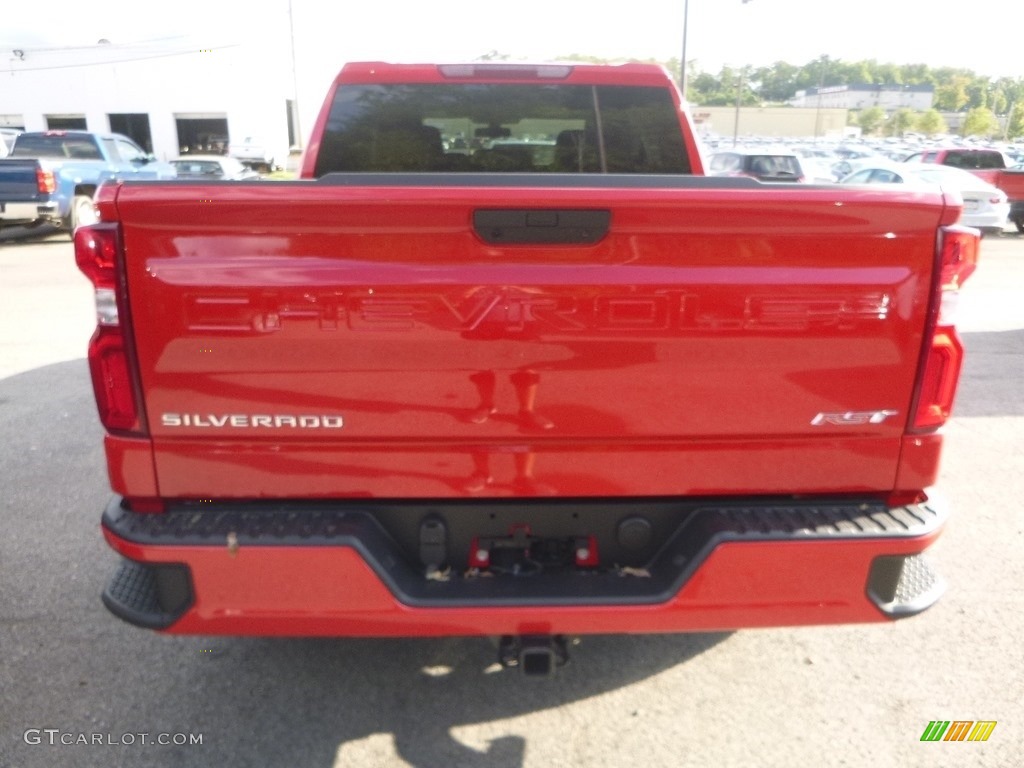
<point x="992" y="376"/>
<point x="33" y="234"/>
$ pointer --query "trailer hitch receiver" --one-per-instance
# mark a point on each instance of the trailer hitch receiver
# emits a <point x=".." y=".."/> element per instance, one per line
<point x="535" y="655"/>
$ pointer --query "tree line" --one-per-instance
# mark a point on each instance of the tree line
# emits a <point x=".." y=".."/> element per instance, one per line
<point x="982" y="99"/>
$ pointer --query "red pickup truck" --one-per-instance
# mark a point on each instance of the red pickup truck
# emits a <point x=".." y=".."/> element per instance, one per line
<point x="987" y="164"/>
<point x="506" y="363"/>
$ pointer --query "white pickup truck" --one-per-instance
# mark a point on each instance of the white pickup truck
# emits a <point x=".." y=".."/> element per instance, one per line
<point x="255" y="154"/>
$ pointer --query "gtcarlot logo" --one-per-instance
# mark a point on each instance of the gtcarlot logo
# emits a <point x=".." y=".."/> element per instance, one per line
<point x="56" y="737"/>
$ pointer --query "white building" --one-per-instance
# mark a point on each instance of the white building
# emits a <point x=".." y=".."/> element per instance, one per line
<point x="915" y="97"/>
<point x="170" y="96"/>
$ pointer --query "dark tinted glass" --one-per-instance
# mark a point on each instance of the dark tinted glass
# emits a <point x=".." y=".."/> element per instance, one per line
<point x="476" y="128"/>
<point x="56" y="146"/>
<point x="773" y="167"/>
<point x="976" y="159"/>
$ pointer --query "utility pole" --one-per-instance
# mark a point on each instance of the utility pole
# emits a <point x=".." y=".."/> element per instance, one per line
<point x="739" y="101"/>
<point x="295" y="80"/>
<point x="682" y="63"/>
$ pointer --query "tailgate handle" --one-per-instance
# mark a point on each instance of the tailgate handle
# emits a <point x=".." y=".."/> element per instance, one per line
<point x="541" y="226"/>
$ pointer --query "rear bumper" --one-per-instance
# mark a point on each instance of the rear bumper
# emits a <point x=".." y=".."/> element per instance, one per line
<point x="993" y="220"/>
<point x="319" y="569"/>
<point x="27" y="213"/>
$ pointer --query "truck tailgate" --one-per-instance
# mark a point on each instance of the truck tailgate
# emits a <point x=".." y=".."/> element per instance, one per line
<point x="18" y="180"/>
<point x="383" y="340"/>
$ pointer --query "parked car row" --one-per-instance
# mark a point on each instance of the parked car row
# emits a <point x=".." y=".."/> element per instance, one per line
<point x="985" y="205"/>
<point x="212" y="167"/>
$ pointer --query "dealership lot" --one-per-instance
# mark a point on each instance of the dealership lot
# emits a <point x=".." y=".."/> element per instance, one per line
<point x="830" y="696"/>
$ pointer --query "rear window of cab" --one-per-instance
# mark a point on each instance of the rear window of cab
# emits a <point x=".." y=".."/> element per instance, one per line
<point x="513" y="128"/>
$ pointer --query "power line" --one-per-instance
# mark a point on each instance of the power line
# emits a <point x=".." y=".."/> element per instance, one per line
<point x="92" y="46"/>
<point x="80" y="65"/>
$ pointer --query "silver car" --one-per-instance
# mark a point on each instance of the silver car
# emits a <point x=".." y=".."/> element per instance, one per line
<point x="211" y="167"/>
<point x="985" y="206"/>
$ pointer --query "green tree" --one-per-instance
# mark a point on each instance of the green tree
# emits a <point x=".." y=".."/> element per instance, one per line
<point x="861" y="72"/>
<point x="951" y="94"/>
<point x="931" y="123"/>
<point x="955" y="89"/>
<point x="723" y="90"/>
<point x="870" y="119"/>
<point x="778" y="82"/>
<point x="888" y="74"/>
<point x="901" y="121"/>
<point x="978" y="94"/>
<point x="1010" y="96"/>
<point x="1015" y="127"/>
<point x="999" y="103"/>
<point x="917" y="74"/>
<point x="980" y="121"/>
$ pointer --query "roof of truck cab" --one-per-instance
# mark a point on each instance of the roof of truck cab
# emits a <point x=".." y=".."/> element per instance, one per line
<point x="633" y="74"/>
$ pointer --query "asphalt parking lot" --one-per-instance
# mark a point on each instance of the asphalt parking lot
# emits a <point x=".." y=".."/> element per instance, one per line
<point x="829" y="696"/>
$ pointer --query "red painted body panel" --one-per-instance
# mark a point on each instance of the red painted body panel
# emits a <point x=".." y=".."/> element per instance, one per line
<point x="526" y="466"/>
<point x="130" y="466"/>
<point x="331" y="591"/>
<point x="688" y="351"/>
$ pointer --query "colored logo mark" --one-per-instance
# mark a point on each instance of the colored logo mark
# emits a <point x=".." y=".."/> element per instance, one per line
<point x="958" y="730"/>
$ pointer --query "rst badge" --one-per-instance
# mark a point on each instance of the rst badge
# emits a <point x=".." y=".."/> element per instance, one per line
<point x="852" y="418"/>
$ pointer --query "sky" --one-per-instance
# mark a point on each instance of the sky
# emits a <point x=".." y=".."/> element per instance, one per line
<point x="719" y="32"/>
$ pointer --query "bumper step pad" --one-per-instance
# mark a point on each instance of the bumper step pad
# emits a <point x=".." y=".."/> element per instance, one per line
<point x="904" y="586"/>
<point x="152" y="595"/>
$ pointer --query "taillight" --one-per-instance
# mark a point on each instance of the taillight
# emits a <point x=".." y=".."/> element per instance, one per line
<point x="112" y="380"/>
<point x="46" y="184"/>
<point x="97" y="249"/>
<point x="943" y="357"/>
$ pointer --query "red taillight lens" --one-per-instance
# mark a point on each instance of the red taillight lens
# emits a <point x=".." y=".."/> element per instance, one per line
<point x="45" y="182"/>
<point x="940" y="369"/>
<point x="112" y="380"/>
<point x="97" y="249"/>
<point x="938" y="385"/>
<point x="959" y="256"/>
